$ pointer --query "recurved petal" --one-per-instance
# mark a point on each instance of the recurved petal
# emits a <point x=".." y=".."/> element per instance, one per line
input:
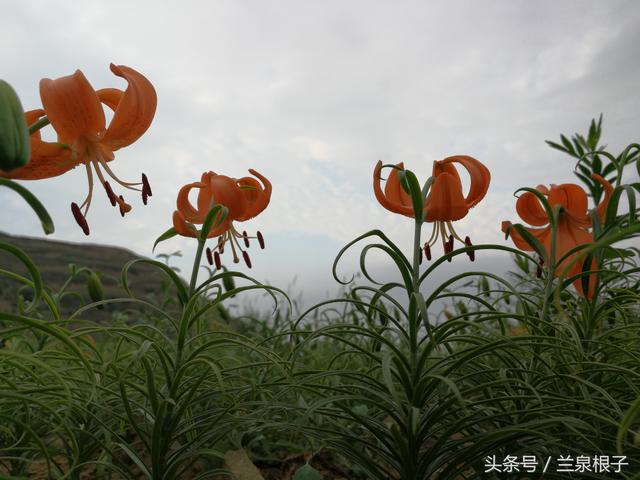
<point x="479" y="175"/>
<point x="47" y="159"/>
<point x="445" y="201"/>
<point x="185" y="208"/>
<point x="572" y="197"/>
<point x="225" y="191"/>
<point x="110" y="97"/>
<point x="543" y="189"/>
<point x="608" y="188"/>
<point x="180" y="224"/>
<point x="541" y="234"/>
<point x="529" y="208"/>
<point x="134" y="111"/>
<point x="258" y="196"/>
<point x="395" y="193"/>
<point x="392" y="202"/>
<point x="73" y="108"/>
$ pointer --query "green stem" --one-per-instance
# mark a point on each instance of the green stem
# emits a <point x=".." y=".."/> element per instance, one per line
<point x="196" y="266"/>
<point x="551" y="267"/>
<point x="415" y="273"/>
<point x="184" y="321"/>
<point x="43" y="122"/>
<point x="415" y="276"/>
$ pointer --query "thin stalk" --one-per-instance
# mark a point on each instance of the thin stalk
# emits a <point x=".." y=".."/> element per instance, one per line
<point x="415" y="278"/>
<point x="184" y="321"/>
<point x="552" y="267"/>
<point x="43" y="122"/>
<point x="196" y="265"/>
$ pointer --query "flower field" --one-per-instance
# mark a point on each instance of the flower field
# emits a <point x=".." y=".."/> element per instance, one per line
<point x="535" y="374"/>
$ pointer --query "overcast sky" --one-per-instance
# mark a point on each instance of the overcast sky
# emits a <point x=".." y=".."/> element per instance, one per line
<point x="312" y="94"/>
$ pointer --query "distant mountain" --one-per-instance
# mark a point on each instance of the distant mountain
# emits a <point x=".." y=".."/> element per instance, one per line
<point x="53" y="259"/>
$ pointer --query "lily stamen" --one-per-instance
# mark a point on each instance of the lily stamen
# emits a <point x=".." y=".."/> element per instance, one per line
<point x="146" y="189"/>
<point x="445" y="201"/>
<point x="471" y="253"/>
<point x="427" y="251"/>
<point x="243" y="199"/>
<point x="80" y="220"/>
<point x="87" y="200"/>
<point x="444" y="231"/>
<point x="75" y="111"/>
<point x="247" y="260"/>
<point x="128" y="185"/>
<point x="110" y="193"/>
<point x="233" y="249"/>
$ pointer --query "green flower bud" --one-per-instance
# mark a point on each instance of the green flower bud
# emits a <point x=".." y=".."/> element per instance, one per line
<point x="94" y="286"/>
<point x="14" y="133"/>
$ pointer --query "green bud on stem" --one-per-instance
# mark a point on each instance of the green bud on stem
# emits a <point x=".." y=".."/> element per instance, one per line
<point x="15" y="148"/>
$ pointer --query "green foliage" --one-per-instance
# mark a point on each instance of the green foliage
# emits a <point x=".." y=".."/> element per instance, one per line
<point x="15" y="148"/>
<point x="307" y="472"/>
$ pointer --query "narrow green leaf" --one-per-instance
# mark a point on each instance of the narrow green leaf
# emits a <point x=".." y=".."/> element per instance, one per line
<point x="217" y="213"/>
<point x="34" y="203"/>
<point x="557" y="146"/>
<point x="626" y="422"/>
<point x="165" y="236"/>
<point x="410" y="184"/>
<point x="38" y="284"/>
<point x="567" y="145"/>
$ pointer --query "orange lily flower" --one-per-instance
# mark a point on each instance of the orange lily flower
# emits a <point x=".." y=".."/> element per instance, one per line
<point x="445" y="202"/>
<point x="244" y="198"/>
<point x="75" y="111"/>
<point x="573" y="225"/>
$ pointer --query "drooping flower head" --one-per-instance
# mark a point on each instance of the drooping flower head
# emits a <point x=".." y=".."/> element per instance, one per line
<point x="244" y="198"/>
<point x="75" y="111"/>
<point x="445" y="202"/>
<point x="572" y="227"/>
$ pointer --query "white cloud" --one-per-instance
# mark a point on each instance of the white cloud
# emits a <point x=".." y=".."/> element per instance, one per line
<point x="312" y="94"/>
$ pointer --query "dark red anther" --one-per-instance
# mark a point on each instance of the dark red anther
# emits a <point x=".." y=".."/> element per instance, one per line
<point x="209" y="256"/>
<point x="247" y="260"/>
<point x="448" y="246"/>
<point x="121" y="204"/>
<point x="221" y="244"/>
<point x="77" y="214"/>
<point x="260" y="240"/>
<point x="216" y="260"/>
<point x="144" y="197"/>
<point x="110" y="194"/>
<point x="146" y="188"/>
<point x="245" y="237"/>
<point x="470" y="253"/>
<point x="427" y="251"/>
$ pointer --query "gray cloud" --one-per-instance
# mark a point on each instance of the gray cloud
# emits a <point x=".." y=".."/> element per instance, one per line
<point x="313" y="93"/>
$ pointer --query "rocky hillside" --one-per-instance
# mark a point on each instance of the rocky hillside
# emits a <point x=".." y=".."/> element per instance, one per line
<point x="53" y="259"/>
